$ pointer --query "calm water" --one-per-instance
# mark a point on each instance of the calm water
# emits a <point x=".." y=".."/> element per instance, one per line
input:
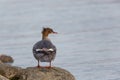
<point x="88" y="42"/>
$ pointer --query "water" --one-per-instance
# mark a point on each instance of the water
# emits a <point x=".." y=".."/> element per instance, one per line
<point x="88" y="43"/>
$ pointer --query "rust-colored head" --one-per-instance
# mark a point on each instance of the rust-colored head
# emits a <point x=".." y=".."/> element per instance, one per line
<point x="47" y="31"/>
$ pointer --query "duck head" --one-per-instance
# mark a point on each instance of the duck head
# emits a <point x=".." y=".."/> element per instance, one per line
<point x="47" y="31"/>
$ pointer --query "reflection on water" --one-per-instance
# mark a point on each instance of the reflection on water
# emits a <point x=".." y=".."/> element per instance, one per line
<point x="88" y="42"/>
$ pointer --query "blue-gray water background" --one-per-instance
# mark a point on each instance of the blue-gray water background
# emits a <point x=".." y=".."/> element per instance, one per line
<point x="88" y="42"/>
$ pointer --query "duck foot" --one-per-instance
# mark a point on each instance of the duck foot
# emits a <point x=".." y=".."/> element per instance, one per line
<point x="44" y="67"/>
<point x="38" y="66"/>
<point x="48" y="67"/>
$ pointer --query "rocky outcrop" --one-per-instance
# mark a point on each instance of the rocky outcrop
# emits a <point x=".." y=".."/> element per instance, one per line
<point x="6" y="59"/>
<point x="33" y="73"/>
<point x="1" y="62"/>
<point x="3" y="78"/>
<point x="8" y="71"/>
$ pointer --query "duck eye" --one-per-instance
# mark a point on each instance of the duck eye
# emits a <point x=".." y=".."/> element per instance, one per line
<point x="49" y="31"/>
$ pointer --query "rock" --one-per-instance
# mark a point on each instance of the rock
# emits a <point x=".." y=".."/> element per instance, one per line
<point x="33" y="73"/>
<point x="1" y="62"/>
<point x="8" y="71"/>
<point x="3" y="78"/>
<point x="6" y="59"/>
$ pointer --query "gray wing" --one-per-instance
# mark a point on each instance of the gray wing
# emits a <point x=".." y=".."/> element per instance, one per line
<point x="44" y="44"/>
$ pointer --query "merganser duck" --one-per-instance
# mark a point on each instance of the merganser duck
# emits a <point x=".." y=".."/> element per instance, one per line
<point x="44" y="50"/>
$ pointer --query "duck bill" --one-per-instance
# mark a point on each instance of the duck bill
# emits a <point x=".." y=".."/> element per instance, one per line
<point x="55" y="33"/>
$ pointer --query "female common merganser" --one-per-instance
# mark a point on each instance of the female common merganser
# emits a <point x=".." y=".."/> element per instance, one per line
<point x="44" y="50"/>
